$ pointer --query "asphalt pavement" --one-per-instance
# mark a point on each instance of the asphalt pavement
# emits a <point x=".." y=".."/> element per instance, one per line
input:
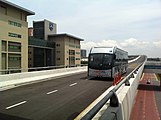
<point x="59" y="99"/>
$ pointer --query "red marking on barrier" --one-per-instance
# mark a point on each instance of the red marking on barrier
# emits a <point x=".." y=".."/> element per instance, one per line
<point x="117" y="79"/>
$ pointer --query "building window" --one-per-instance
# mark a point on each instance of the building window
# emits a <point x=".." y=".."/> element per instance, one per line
<point x="4" y="45"/>
<point x="19" y="36"/>
<point x="77" y="53"/>
<point x="4" y="60"/>
<point x="14" y="47"/>
<point x="14" y="61"/>
<point x="14" y="35"/>
<point x="14" y="23"/>
<point x="14" y="58"/>
<point x="58" y="58"/>
<point x="71" y="52"/>
<point x="58" y="45"/>
<point x="72" y="58"/>
<point x="77" y="58"/>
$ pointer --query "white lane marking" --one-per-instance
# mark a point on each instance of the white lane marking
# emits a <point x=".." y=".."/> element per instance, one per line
<point x="51" y="92"/>
<point x="15" y="105"/>
<point x="73" y="84"/>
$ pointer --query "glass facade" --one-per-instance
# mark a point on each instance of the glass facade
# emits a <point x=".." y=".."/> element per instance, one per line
<point x="41" y="52"/>
<point x="38" y="31"/>
<point x="14" y="61"/>
<point x="40" y="42"/>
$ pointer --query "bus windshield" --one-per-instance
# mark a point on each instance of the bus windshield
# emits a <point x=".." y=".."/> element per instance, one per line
<point x="100" y="61"/>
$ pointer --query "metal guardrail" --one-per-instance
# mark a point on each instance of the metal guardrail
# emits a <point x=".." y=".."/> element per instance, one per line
<point x="17" y="70"/>
<point x="110" y="96"/>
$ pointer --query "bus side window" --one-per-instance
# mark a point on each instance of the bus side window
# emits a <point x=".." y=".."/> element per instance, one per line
<point x="114" y="57"/>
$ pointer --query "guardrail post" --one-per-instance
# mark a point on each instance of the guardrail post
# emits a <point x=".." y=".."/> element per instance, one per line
<point x="135" y="71"/>
<point x="114" y="102"/>
<point x="132" y="75"/>
<point x="127" y="83"/>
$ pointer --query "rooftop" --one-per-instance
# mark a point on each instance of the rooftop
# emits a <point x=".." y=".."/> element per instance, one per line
<point x="65" y="34"/>
<point x="18" y="7"/>
<point x="42" y="21"/>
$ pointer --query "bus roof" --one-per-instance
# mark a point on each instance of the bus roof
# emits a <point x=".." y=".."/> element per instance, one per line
<point x="109" y="50"/>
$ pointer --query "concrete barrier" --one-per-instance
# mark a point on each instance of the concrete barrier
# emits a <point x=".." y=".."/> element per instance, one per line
<point x="133" y="60"/>
<point x="84" y="112"/>
<point x="126" y="94"/>
<point x="8" y="81"/>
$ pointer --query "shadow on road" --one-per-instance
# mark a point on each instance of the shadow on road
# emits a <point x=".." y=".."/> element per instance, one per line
<point x="149" y="87"/>
<point x="73" y="116"/>
<point x="101" y="79"/>
<point x="11" y="117"/>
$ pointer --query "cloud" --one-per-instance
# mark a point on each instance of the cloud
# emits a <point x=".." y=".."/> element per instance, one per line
<point x="157" y="43"/>
<point x="132" y="45"/>
<point x="106" y="43"/>
<point x="112" y="20"/>
<point x="132" y="25"/>
<point x="99" y="19"/>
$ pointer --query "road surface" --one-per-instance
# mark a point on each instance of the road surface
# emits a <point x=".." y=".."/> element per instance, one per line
<point x="58" y="99"/>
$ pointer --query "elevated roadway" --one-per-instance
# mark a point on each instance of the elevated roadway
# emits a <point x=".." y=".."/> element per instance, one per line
<point x="152" y="67"/>
<point x="58" y="99"/>
<point x="147" y="104"/>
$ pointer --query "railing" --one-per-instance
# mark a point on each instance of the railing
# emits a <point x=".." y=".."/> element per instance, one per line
<point x="110" y="96"/>
<point x="17" y="70"/>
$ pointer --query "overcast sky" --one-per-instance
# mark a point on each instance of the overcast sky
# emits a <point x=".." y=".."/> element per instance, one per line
<point x="133" y="25"/>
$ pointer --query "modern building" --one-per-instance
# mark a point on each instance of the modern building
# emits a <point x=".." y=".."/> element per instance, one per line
<point x="13" y="36"/>
<point x="83" y="53"/>
<point x="41" y="53"/>
<point x="67" y="49"/>
<point x="41" y="29"/>
<point x="30" y="31"/>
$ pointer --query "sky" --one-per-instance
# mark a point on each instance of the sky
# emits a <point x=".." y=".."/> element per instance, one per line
<point x="132" y="25"/>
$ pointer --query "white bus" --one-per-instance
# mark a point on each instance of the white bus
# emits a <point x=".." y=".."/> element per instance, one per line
<point x="107" y="62"/>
